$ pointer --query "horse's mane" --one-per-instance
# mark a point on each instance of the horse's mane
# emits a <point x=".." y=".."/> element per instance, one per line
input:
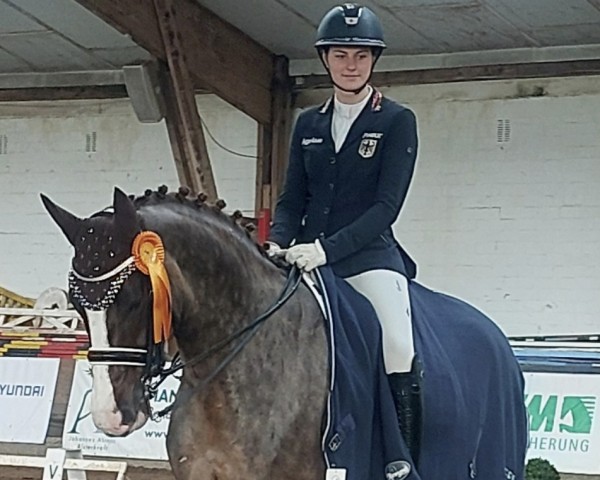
<point x="198" y="208"/>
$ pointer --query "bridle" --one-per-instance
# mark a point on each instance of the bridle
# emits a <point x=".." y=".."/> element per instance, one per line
<point x="152" y="358"/>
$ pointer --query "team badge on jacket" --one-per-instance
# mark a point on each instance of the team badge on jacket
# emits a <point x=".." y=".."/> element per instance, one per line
<point x="367" y="147"/>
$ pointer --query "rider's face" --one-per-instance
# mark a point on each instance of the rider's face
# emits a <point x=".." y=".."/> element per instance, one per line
<point x="350" y="67"/>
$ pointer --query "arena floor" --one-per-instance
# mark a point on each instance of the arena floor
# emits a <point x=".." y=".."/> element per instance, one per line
<point x="137" y="473"/>
<point x="12" y="473"/>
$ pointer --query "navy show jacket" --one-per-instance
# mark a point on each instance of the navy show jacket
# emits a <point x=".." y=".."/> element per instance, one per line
<point x="350" y="199"/>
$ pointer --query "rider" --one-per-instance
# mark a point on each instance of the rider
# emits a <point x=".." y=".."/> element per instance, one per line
<point x="350" y="166"/>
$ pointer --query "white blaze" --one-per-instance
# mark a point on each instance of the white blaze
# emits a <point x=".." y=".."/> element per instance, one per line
<point x="105" y="413"/>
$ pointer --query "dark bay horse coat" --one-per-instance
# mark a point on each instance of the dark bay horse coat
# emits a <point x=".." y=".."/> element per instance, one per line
<point x="259" y="418"/>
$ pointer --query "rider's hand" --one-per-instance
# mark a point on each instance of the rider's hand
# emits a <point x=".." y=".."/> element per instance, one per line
<point x="273" y="250"/>
<point x="306" y="256"/>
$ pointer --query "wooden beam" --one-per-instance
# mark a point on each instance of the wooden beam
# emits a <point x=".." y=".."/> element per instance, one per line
<point x="281" y="126"/>
<point x="174" y="130"/>
<point x="262" y="200"/>
<point x="273" y="140"/>
<point x="221" y="58"/>
<point x="190" y="152"/>
<point x="62" y="93"/>
<point x="467" y="74"/>
<point x="262" y="197"/>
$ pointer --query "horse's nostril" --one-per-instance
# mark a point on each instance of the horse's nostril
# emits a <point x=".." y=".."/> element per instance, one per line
<point x="128" y="416"/>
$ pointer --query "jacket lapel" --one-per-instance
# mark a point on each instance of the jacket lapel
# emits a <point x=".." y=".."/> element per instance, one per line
<point x="323" y="122"/>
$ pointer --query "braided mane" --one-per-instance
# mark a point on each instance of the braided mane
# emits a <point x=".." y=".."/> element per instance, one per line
<point x="197" y="203"/>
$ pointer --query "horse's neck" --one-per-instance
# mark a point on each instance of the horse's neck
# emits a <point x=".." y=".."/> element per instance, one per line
<point x="219" y="284"/>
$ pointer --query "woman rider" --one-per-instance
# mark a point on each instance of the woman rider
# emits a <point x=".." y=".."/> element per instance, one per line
<point x="350" y="166"/>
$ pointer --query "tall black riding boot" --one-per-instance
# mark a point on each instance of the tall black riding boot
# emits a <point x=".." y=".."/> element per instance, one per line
<point x="406" y="389"/>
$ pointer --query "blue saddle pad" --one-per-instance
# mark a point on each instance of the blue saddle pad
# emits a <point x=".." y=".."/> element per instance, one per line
<point x="475" y="422"/>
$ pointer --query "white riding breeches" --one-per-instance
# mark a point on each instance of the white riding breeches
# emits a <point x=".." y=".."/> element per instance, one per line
<point x="388" y="293"/>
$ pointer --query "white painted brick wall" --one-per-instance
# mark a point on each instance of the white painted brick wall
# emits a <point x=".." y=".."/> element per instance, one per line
<point x="513" y="228"/>
<point x="46" y="152"/>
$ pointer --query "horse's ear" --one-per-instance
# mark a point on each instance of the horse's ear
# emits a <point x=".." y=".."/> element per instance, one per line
<point x="67" y="222"/>
<point x="125" y="214"/>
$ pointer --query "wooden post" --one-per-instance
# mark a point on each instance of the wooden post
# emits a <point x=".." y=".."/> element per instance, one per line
<point x="281" y="125"/>
<point x="273" y="140"/>
<point x="262" y="206"/>
<point x="183" y="120"/>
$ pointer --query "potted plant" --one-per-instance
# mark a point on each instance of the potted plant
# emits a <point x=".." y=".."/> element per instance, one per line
<point x="540" y="469"/>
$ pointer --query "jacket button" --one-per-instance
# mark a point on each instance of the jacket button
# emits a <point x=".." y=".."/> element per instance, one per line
<point x="321" y="234"/>
<point x="332" y="160"/>
<point x="331" y="186"/>
<point x="326" y="210"/>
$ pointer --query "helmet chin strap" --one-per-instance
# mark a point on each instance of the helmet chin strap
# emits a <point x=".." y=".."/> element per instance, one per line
<point x="355" y="91"/>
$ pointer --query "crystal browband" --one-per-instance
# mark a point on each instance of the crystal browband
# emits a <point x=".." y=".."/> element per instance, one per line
<point x="122" y="272"/>
<point x="105" y="276"/>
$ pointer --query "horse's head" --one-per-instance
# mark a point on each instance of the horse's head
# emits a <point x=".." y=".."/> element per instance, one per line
<point x="103" y="267"/>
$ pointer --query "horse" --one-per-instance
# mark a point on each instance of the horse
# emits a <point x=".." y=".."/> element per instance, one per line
<point x="254" y="411"/>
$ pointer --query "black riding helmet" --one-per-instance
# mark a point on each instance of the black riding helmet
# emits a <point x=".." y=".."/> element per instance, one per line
<point x="350" y="25"/>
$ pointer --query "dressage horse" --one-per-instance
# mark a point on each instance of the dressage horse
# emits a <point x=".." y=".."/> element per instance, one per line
<point x="251" y="400"/>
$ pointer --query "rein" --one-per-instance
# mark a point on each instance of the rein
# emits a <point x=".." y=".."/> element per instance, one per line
<point x="245" y="333"/>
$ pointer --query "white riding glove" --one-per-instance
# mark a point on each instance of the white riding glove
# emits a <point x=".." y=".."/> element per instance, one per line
<point x="306" y="256"/>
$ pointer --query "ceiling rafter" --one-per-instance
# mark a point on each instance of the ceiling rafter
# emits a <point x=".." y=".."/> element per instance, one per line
<point x="221" y="58"/>
<point x="466" y="74"/>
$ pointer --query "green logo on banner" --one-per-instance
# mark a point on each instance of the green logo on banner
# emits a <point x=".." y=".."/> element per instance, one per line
<point x="576" y="413"/>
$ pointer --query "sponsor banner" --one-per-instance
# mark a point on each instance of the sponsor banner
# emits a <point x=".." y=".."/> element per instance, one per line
<point x="563" y="423"/>
<point x="80" y="432"/>
<point x="561" y="407"/>
<point x="27" y="388"/>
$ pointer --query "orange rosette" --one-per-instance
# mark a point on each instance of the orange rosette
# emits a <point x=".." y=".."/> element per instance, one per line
<point x="149" y="254"/>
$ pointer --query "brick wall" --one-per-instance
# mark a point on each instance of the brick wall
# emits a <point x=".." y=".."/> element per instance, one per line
<point x="503" y="211"/>
<point x="76" y="152"/>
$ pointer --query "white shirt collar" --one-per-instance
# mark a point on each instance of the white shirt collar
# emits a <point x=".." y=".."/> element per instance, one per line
<point x="351" y="110"/>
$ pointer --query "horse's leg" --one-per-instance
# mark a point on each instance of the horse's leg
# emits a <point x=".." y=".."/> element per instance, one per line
<point x="200" y="451"/>
<point x="300" y="456"/>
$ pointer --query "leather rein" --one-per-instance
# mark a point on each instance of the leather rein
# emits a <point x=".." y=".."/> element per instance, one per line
<point x="244" y="335"/>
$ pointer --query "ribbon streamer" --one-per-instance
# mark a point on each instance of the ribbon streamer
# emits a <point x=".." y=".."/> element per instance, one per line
<point x="149" y="254"/>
